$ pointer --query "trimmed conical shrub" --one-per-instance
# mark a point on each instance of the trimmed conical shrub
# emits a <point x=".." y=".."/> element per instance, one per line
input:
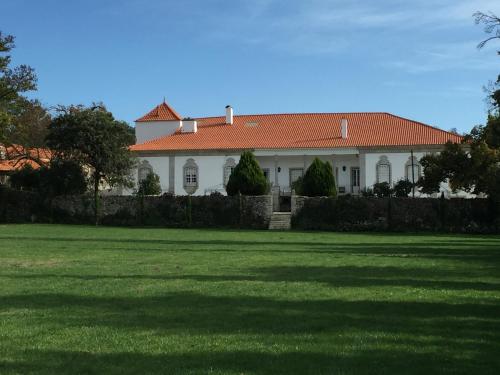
<point x="318" y="180"/>
<point x="247" y="177"/>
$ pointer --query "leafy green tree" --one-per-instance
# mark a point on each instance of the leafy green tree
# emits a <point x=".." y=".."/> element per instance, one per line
<point x="318" y="181"/>
<point x="93" y="138"/>
<point x="247" y="177"/>
<point x="13" y="82"/>
<point x="403" y="188"/>
<point x="28" y="125"/>
<point x="150" y="185"/>
<point x="298" y="186"/>
<point x="26" y="179"/>
<point x="60" y="177"/>
<point x="474" y="165"/>
<point x="382" y="189"/>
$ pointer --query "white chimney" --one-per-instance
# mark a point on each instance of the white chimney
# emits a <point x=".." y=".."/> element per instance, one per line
<point x="343" y="128"/>
<point x="189" y="126"/>
<point x="229" y="115"/>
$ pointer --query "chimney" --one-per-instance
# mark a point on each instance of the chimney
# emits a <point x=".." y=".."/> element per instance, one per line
<point x="229" y="115"/>
<point x="343" y="128"/>
<point x="189" y="125"/>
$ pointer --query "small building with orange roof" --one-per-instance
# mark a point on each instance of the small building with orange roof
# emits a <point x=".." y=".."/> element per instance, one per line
<point x="16" y="157"/>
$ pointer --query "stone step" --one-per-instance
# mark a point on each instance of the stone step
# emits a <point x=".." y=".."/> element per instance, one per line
<point x="280" y="221"/>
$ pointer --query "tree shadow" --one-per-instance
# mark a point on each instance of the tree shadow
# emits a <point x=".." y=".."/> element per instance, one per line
<point x="240" y="362"/>
<point x="334" y="276"/>
<point x="413" y="335"/>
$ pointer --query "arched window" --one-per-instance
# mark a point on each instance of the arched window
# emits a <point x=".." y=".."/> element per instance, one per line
<point x="190" y="172"/>
<point x="413" y="169"/>
<point x="228" y="169"/>
<point x="384" y="173"/>
<point x="144" y="170"/>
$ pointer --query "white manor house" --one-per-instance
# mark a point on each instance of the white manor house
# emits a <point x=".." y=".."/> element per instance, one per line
<point x="196" y="155"/>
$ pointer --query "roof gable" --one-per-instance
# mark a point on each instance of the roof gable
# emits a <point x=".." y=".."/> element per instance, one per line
<point x="162" y="112"/>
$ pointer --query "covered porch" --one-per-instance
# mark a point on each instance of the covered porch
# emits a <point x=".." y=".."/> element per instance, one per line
<point x="283" y="168"/>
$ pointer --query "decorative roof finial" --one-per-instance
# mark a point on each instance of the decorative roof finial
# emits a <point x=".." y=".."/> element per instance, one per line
<point x="164" y="100"/>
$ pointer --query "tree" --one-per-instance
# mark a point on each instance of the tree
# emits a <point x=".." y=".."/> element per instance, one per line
<point x="318" y="181"/>
<point x="28" y="125"/>
<point x="60" y="177"/>
<point x="93" y="138"/>
<point x="247" y="177"/>
<point x="403" y="188"/>
<point x="26" y="178"/>
<point x="150" y="185"/>
<point x="382" y="189"/>
<point x="13" y="82"/>
<point x="474" y="165"/>
<point x="491" y="24"/>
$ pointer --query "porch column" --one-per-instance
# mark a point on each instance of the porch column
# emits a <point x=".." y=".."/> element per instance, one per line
<point x="276" y="171"/>
<point x="362" y="171"/>
<point x="276" y="188"/>
<point x="171" y="174"/>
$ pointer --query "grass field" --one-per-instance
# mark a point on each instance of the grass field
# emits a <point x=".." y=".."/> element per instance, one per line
<point x="84" y="300"/>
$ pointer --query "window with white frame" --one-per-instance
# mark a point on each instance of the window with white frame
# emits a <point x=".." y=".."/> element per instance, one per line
<point x="190" y="176"/>
<point x="412" y="169"/>
<point x="144" y="170"/>
<point x="384" y="170"/>
<point x="229" y="166"/>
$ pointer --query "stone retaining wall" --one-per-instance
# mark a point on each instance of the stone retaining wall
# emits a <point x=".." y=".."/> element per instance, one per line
<point x="395" y="214"/>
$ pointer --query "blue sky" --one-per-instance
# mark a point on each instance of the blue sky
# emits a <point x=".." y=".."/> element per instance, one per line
<point x="417" y="59"/>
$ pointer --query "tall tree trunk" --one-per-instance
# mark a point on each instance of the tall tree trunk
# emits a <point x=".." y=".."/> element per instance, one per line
<point x="96" y="198"/>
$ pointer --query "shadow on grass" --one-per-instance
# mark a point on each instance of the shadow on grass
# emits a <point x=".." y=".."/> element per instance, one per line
<point x="242" y="362"/>
<point x="462" y="248"/>
<point x="340" y="276"/>
<point x="198" y="313"/>
<point x="408" y="337"/>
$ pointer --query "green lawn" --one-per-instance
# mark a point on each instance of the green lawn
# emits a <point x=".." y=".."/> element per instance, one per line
<point x="84" y="300"/>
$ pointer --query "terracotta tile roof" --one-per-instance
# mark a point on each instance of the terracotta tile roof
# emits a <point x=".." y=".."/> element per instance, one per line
<point x="162" y="112"/>
<point x="16" y="157"/>
<point x="301" y="130"/>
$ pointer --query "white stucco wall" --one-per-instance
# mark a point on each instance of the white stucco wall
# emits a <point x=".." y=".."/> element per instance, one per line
<point x="160" y="167"/>
<point x="210" y="172"/>
<point x="397" y="160"/>
<point x="211" y="168"/>
<point x="145" y="131"/>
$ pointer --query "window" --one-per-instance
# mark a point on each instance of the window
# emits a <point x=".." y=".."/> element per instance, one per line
<point x="295" y="174"/>
<point x="228" y="169"/>
<point x="190" y="176"/>
<point x="355" y="177"/>
<point x="144" y="170"/>
<point x="267" y="174"/>
<point x="412" y="169"/>
<point x="384" y="170"/>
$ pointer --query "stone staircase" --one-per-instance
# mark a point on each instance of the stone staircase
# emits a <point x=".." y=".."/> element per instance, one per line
<point x="280" y="221"/>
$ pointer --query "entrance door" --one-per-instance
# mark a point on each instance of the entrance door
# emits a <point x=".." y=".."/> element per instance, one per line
<point x="355" y="180"/>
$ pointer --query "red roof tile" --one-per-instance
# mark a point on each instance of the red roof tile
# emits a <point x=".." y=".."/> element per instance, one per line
<point x="301" y="130"/>
<point x="16" y="157"/>
<point x="162" y="112"/>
